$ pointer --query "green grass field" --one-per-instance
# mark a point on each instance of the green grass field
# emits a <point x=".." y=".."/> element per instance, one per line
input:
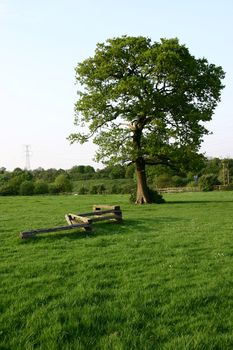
<point x="160" y="280"/>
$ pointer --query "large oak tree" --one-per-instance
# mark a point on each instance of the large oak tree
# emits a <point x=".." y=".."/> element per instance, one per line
<point x="145" y="102"/>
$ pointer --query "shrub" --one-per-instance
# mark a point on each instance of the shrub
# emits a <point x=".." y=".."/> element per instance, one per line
<point x="101" y="189"/>
<point x="163" y="180"/>
<point x="53" y="189"/>
<point x="130" y="171"/>
<point x="83" y="190"/>
<point x="179" y="181"/>
<point x="94" y="189"/>
<point x="62" y="183"/>
<point x="41" y="187"/>
<point x="8" y="190"/>
<point x="26" y="188"/>
<point x="115" y="189"/>
<point x="126" y="189"/>
<point x="13" y="185"/>
<point x="207" y="182"/>
<point x="155" y="197"/>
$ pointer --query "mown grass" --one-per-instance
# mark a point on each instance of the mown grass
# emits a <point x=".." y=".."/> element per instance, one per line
<point x="160" y="280"/>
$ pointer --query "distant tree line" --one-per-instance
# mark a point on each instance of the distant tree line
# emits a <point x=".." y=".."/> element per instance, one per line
<point x="55" y="181"/>
<point x="211" y="173"/>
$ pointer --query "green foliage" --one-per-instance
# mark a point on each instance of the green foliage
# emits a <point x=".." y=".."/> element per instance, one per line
<point x="41" y="187"/>
<point x="117" y="172"/>
<point x="212" y="166"/>
<point x="10" y="183"/>
<point x="114" y="189"/>
<point x="127" y="188"/>
<point x="130" y="171"/>
<point x="83" y="190"/>
<point x="112" y="172"/>
<point x="62" y="183"/>
<point x="3" y="170"/>
<point x="8" y="190"/>
<point x="53" y="189"/>
<point x="145" y="103"/>
<point x="4" y="177"/>
<point x="167" y="180"/>
<point x="81" y="172"/>
<point x="179" y="181"/>
<point x="156" y="197"/>
<point x="14" y="184"/>
<point x="49" y="175"/>
<point x="26" y="188"/>
<point x="146" y="99"/>
<point x="94" y="189"/>
<point x="158" y="176"/>
<point x="163" y="180"/>
<point x="208" y="181"/>
<point x="101" y="189"/>
<point x="93" y="185"/>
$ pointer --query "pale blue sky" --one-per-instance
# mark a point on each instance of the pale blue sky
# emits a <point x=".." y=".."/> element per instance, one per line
<point x="43" y="40"/>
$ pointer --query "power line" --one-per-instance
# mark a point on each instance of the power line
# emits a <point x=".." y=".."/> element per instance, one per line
<point x="27" y="155"/>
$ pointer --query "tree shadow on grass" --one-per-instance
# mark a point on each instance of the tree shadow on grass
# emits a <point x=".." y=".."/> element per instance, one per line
<point x="152" y="221"/>
<point x="199" y="201"/>
<point x="148" y="224"/>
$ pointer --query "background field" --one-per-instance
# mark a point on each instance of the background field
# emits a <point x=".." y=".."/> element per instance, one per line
<point x="160" y="280"/>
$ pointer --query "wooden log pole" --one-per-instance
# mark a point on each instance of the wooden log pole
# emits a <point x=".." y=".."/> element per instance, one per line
<point x="105" y="207"/>
<point x="74" y="219"/>
<point x="31" y="233"/>
<point x="116" y="218"/>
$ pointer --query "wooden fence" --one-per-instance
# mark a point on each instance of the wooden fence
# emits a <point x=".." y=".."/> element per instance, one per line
<point x="178" y="189"/>
<point x="193" y="189"/>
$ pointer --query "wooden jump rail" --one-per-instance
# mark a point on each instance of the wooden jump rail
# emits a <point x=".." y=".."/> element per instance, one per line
<point x="27" y="234"/>
<point x="111" y="213"/>
<point x="83" y="221"/>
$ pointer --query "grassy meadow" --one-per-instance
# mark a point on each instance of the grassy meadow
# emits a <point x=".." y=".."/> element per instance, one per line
<point x="160" y="280"/>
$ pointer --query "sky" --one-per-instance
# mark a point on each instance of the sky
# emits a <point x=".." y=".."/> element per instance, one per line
<point x="43" y="40"/>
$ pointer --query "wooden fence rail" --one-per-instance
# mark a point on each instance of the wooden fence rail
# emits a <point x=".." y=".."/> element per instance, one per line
<point x="111" y="213"/>
<point x="31" y="233"/>
<point x="177" y="189"/>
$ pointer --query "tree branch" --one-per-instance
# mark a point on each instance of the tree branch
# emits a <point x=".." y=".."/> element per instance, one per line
<point x="161" y="160"/>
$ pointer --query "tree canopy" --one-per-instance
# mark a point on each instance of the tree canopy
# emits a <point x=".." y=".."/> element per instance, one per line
<point x="145" y="102"/>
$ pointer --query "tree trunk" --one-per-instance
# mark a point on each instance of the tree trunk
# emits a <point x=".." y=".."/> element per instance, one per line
<point x="142" y="189"/>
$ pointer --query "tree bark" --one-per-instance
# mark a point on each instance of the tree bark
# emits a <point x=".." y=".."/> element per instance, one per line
<point x="142" y="188"/>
